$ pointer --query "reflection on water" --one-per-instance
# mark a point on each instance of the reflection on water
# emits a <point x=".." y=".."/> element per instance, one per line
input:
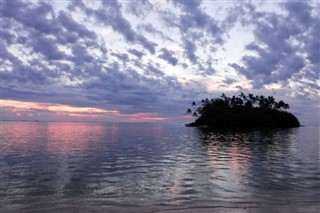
<point x="75" y="137"/>
<point x="113" y="166"/>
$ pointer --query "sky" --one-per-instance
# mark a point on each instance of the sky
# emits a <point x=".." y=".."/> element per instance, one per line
<point x="146" y="61"/>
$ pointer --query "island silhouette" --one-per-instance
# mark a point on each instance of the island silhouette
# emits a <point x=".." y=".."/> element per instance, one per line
<point x="242" y="111"/>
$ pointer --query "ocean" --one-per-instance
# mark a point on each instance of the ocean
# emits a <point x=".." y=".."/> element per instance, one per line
<point x="141" y="167"/>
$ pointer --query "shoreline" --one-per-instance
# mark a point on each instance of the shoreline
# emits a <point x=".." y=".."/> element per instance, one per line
<point x="312" y="207"/>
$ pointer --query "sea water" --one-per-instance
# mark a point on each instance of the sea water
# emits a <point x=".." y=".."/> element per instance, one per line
<point x="123" y="167"/>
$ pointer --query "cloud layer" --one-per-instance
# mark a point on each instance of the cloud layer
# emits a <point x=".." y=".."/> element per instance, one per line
<point x="285" y="46"/>
<point x="156" y="57"/>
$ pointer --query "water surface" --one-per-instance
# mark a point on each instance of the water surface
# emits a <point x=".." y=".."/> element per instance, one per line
<point x="147" y="167"/>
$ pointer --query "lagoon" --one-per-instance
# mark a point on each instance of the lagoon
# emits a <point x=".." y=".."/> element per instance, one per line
<point x="139" y="167"/>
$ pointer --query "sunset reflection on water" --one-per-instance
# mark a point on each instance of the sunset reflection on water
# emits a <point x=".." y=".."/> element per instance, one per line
<point x="67" y="138"/>
<point x="61" y="138"/>
<point x="56" y="164"/>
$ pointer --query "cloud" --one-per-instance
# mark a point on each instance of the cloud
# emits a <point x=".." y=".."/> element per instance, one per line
<point x="72" y="26"/>
<point x="109" y="14"/>
<point x="195" y="17"/>
<point x="135" y="52"/>
<point x="46" y="46"/>
<point x="282" y="48"/>
<point x="190" y="49"/>
<point x="167" y="56"/>
<point x="7" y="36"/>
<point x="132" y="92"/>
<point x="123" y="57"/>
<point x="201" y="33"/>
<point x="153" y="71"/>
<point x="155" y="58"/>
<point x="81" y="55"/>
<point x="6" y="55"/>
<point x="24" y="74"/>
<point x="149" y="28"/>
<point x="139" y="8"/>
<point x="149" y="45"/>
<point x="39" y="17"/>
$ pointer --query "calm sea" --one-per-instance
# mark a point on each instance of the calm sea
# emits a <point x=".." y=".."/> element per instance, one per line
<point x="87" y="167"/>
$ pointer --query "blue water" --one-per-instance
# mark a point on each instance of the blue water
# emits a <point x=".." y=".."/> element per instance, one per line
<point x="65" y="167"/>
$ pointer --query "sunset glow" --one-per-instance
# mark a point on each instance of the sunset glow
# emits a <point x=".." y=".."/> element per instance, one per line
<point x="148" y="60"/>
<point x="30" y="108"/>
<point x="22" y="106"/>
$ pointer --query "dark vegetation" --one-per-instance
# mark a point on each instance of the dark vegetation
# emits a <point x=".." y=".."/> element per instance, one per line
<point x="242" y="111"/>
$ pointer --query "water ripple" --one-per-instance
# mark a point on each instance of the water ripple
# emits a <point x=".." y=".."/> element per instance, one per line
<point x="57" y="165"/>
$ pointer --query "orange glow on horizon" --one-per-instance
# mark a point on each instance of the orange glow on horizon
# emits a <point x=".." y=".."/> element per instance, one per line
<point x="22" y="108"/>
<point x="145" y="117"/>
<point x="83" y="115"/>
<point x="18" y="108"/>
<point x="23" y="105"/>
<point x="66" y="108"/>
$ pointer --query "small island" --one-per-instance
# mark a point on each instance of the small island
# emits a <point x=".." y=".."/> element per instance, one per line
<point x="242" y="111"/>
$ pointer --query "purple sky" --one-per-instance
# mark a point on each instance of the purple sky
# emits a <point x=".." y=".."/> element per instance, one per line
<point x="148" y="60"/>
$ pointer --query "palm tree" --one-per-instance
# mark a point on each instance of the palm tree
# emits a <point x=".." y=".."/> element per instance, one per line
<point x="283" y="105"/>
<point x="243" y="96"/>
<point x="252" y="99"/>
<point x="271" y="102"/>
<point x="189" y="111"/>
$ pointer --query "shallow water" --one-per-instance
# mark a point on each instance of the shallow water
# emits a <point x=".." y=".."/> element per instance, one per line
<point x="120" y="167"/>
